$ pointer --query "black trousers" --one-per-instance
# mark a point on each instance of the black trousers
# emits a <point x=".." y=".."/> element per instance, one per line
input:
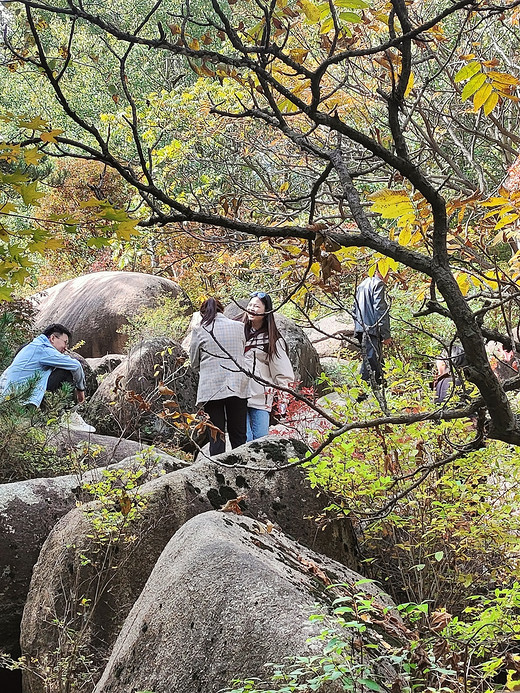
<point x="371" y="352"/>
<point x="57" y="377"/>
<point x="230" y="412"/>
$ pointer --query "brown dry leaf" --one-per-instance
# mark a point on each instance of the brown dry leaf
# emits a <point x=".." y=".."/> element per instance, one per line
<point x="125" y="504"/>
<point x="165" y="390"/>
<point x="439" y="620"/>
<point x="232" y="506"/>
<point x="315" y="570"/>
<point x="132" y="396"/>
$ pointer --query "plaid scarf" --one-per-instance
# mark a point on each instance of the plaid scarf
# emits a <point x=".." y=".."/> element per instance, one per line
<point x="257" y="340"/>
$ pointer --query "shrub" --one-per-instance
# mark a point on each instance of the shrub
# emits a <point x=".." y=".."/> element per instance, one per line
<point x="167" y="319"/>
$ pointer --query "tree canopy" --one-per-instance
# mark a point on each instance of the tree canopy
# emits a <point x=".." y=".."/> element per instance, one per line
<point x="321" y="126"/>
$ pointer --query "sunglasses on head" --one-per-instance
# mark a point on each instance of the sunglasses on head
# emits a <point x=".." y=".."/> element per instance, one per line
<point x="258" y="294"/>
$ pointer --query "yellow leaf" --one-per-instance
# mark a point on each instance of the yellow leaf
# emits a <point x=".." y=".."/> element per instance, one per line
<point x="315" y="269"/>
<point x="284" y="186"/>
<point x="474" y="84"/>
<point x="494" y="202"/>
<point x="503" y="77"/>
<point x="310" y="11"/>
<point x="92" y="202"/>
<point x="463" y="282"/>
<point x="50" y="136"/>
<point x="482" y="96"/>
<point x="327" y="25"/>
<point x="409" y="86"/>
<point x="392" y="204"/>
<point x="32" y="156"/>
<point x="298" y="55"/>
<point x="405" y="236"/>
<point x="505" y="221"/>
<point x="126" y="229"/>
<point x="490" y="103"/>
<point x="491" y="280"/>
<point x="10" y="152"/>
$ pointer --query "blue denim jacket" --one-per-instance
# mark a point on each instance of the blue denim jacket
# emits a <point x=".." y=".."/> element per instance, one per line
<point x="38" y="359"/>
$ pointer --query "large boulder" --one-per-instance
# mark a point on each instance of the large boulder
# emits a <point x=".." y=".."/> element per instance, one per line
<point x="303" y="356"/>
<point x="95" y="450"/>
<point x="68" y="573"/>
<point x="105" y="364"/>
<point x="28" y="512"/>
<point x="225" y="597"/>
<point x="331" y="335"/>
<point x="129" y="398"/>
<point x="94" y="307"/>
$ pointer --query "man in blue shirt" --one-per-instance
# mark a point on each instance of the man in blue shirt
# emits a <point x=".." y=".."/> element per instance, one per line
<point x="45" y="362"/>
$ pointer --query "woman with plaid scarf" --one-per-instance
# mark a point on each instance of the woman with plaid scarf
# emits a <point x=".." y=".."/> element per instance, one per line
<point x="267" y="361"/>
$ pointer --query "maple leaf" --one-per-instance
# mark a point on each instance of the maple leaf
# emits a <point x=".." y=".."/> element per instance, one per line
<point x="126" y="229"/>
<point x="7" y="208"/>
<point x="32" y="156"/>
<point x="92" y="202"/>
<point x="30" y="194"/>
<point x="50" y="136"/>
<point x="36" y="123"/>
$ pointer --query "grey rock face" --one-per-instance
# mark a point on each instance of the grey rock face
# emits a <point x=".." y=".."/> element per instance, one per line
<point x="28" y="512"/>
<point x="105" y="364"/>
<point x="94" y="307"/>
<point x="224" y="598"/>
<point x="332" y="334"/>
<point x="113" y="412"/>
<point x="62" y="577"/>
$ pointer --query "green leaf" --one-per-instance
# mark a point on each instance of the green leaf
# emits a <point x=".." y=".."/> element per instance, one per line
<point x="473" y="85"/>
<point x="467" y="71"/>
<point x="30" y="194"/>
<point x="350" y="17"/>
<point x="439" y="555"/>
<point x="371" y="685"/>
<point x="352" y="4"/>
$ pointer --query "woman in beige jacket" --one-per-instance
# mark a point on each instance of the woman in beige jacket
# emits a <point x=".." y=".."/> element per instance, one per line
<point x="217" y="352"/>
<point x="267" y="361"/>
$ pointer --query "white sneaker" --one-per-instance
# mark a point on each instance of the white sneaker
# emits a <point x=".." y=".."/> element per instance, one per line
<point x="73" y="421"/>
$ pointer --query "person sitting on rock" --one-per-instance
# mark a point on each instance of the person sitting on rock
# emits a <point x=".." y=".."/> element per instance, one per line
<point x="44" y="362"/>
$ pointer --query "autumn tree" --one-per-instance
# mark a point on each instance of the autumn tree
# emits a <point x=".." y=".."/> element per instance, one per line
<point x="334" y="125"/>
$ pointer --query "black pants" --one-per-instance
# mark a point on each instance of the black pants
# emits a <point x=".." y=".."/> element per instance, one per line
<point x="57" y="377"/>
<point x="231" y="411"/>
<point x="371" y="352"/>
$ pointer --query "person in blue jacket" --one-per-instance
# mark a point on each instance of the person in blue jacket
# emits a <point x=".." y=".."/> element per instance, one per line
<point x="44" y="362"/>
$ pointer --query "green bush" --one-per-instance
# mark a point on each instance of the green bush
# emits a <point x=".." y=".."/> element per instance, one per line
<point x="167" y="319"/>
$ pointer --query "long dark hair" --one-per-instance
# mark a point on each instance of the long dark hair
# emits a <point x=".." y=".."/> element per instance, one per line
<point x="268" y="325"/>
<point x="209" y="309"/>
